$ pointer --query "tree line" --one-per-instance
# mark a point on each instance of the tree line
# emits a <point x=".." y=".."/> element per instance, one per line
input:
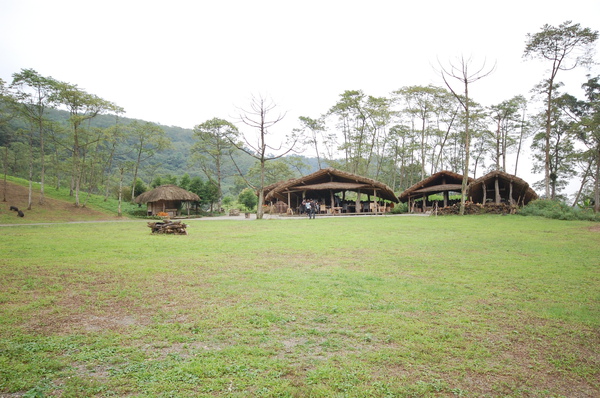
<point x="399" y="139"/>
<point x="419" y="130"/>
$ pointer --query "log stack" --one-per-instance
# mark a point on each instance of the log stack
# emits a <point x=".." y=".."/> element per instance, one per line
<point x="477" y="208"/>
<point x="168" y="227"/>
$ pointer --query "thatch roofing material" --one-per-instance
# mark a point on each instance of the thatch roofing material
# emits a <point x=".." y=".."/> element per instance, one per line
<point x="440" y="188"/>
<point x="521" y="190"/>
<point x="328" y="179"/>
<point x="442" y="181"/>
<point x="167" y="193"/>
<point x="334" y="186"/>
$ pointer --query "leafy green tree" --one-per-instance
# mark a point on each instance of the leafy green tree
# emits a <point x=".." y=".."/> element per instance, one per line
<point x="361" y="119"/>
<point x="210" y="194"/>
<point x="82" y="106"/>
<point x="561" y="149"/>
<point x="248" y="198"/>
<point x="419" y="105"/>
<point x="313" y="134"/>
<point x="7" y="104"/>
<point x="34" y="94"/>
<point x="196" y="185"/>
<point x="139" y="187"/>
<point x="148" y="138"/>
<point x="184" y="181"/>
<point x="564" y="47"/>
<point x="213" y="150"/>
<point x="274" y="171"/>
<point x="156" y="182"/>
<point x="506" y="117"/>
<point x="109" y="148"/>
<point x="585" y="115"/>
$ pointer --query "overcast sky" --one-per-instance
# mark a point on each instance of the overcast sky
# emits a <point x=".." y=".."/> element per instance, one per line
<point x="183" y="62"/>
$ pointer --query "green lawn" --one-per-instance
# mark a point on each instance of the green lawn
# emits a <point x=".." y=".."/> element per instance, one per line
<point x="393" y="306"/>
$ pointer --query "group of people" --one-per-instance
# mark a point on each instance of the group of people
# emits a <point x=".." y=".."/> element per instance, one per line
<point x="311" y="207"/>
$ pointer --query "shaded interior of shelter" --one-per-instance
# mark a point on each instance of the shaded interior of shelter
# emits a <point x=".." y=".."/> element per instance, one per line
<point x="335" y="191"/>
<point x="499" y="187"/>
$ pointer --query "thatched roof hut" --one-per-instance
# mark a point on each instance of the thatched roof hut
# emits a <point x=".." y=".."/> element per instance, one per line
<point x="500" y="187"/>
<point x="496" y="186"/>
<point x="442" y="182"/>
<point x="323" y="185"/>
<point x="166" y="198"/>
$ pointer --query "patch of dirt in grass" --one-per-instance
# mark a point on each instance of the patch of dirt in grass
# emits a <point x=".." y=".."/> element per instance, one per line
<point x="85" y="303"/>
<point x="51" y="211"/>
<point x="595" y="228"/>
<point x="117" y="317"/>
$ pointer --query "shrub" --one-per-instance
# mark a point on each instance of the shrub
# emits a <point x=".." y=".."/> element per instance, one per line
<point x="400" y="208"/>
<point x="557" y="210"/>
<point x="248" y="198"/>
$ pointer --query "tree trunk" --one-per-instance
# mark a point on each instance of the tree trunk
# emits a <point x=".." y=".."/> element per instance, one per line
<point x="597" y="185"/>
<point x="547" y="149"/>
<point x="261" y="192"/>
<point x="30" y="196"/>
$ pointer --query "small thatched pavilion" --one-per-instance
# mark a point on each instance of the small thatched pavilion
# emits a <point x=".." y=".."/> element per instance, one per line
<point x="500" y="187"/>
<point x="442" y="182"/>
<point x="325" y="186"/>
<point x="167" y="199"/>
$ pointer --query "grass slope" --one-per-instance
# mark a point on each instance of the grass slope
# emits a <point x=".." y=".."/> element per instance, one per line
<point x="58" y="205"/>
<point x="348" y="307"/>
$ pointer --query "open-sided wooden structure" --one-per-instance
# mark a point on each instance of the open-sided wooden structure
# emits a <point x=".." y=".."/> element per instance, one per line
<point x="500" y="187"/>
<point x="166" y="198"/>
<point x="442" y="182"/>
<point x="495" y="187"/>
<point x="329" y="186"/>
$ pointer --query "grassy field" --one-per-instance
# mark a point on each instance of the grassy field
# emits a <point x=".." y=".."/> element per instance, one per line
<point x="390" y="306"/>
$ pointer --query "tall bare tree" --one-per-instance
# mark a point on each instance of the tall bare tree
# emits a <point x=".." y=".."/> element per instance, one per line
<point x="461" y="72"/>
<point x="259" y="117"/>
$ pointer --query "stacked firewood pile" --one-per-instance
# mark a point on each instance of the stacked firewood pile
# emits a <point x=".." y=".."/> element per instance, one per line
<point x="168" y="227"/>
<point x="477" y="208"/>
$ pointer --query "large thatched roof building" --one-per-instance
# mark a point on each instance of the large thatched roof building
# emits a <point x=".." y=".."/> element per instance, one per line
<point x="329" y="186"/>
<point x="495" y="187"/>
<point x="442" y="182"/>
<point x="500" y="187"/>
<point x="166" y="198"/>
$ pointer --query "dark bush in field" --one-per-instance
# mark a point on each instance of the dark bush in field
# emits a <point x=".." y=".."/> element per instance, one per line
<point x="558" y="211"/>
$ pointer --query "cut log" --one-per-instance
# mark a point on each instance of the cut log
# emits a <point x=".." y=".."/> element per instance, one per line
<point x="168" y="227"/>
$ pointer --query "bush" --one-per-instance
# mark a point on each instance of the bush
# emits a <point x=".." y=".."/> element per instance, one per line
<point x="557" y="210"/>
<point x="248" y="198"/>
<point x="400" y="208"/>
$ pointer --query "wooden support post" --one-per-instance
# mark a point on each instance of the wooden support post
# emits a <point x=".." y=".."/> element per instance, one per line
<point x="497" y="190"/>
<point x="332" y="201"/>
<point x="375" y="201"/>
<point x="484" y="192"/>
